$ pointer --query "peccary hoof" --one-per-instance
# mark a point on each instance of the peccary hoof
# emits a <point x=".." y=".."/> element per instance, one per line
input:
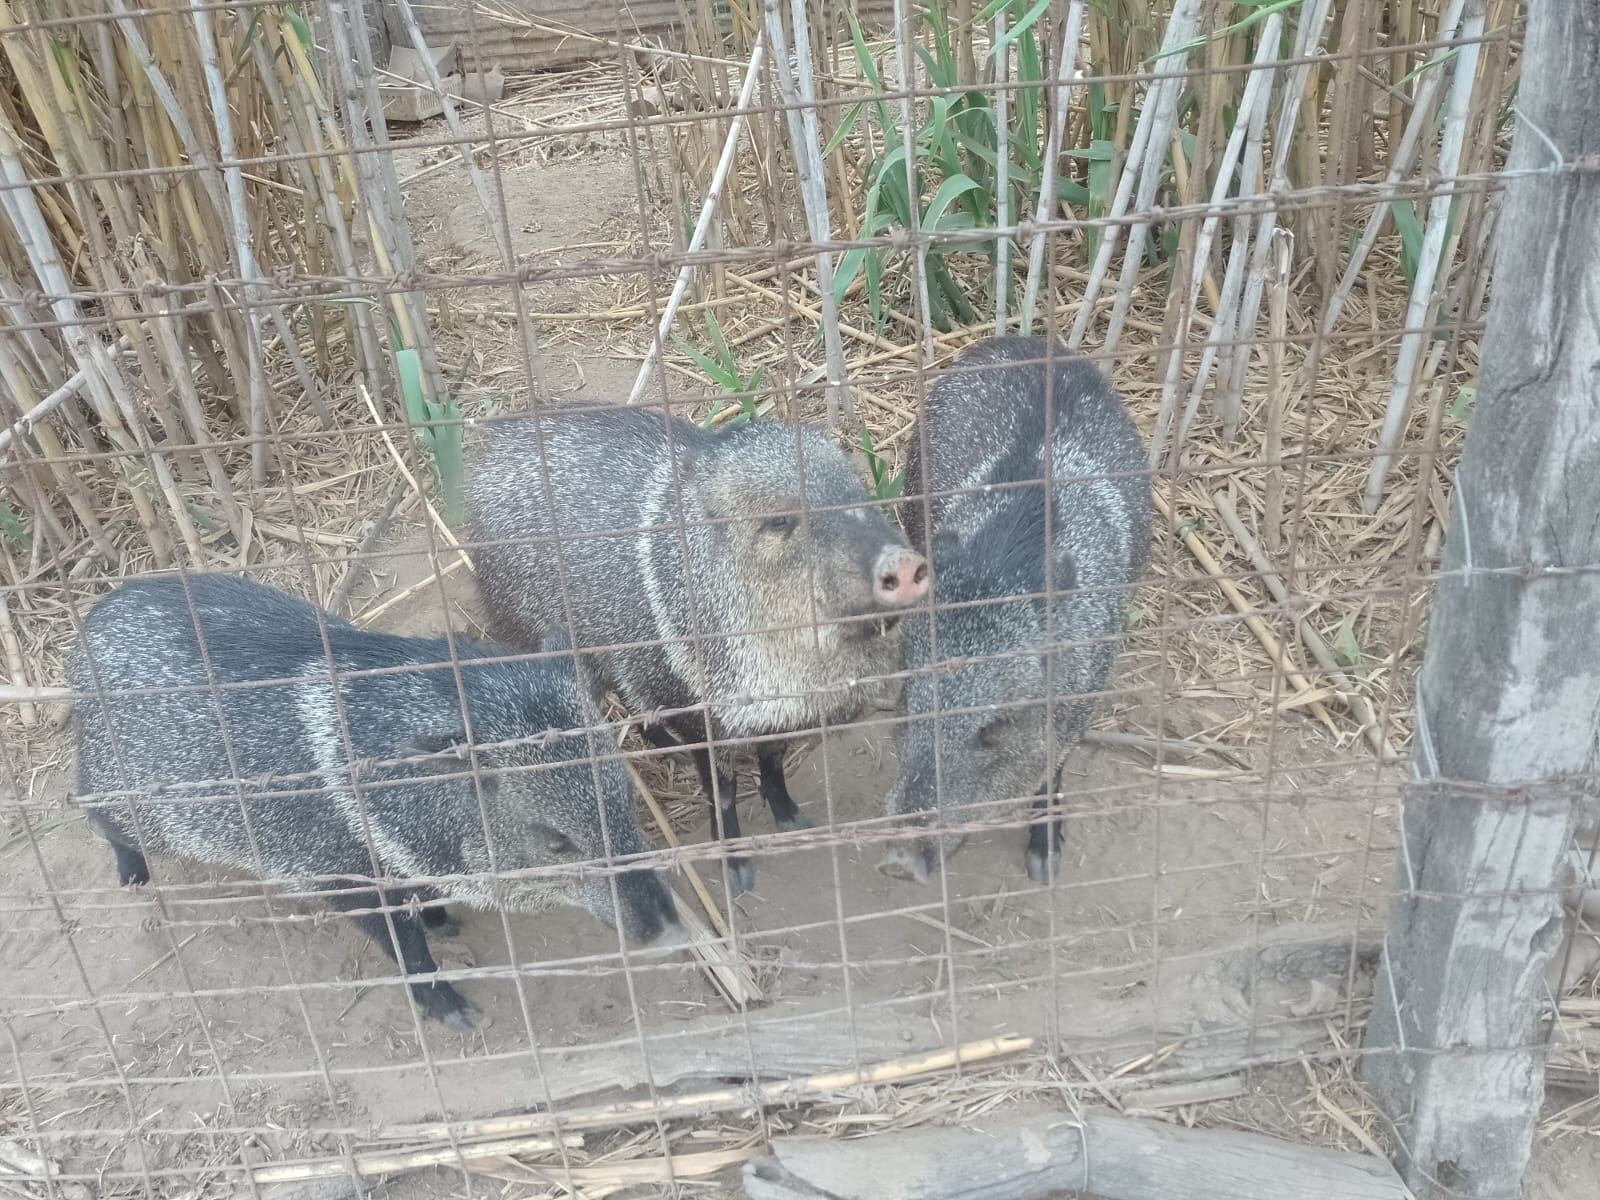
<point x="446" y="1005"/>
<point x="741" y="876"/>
<point x="798" y="821"/>
<point x="1042" y="867"/>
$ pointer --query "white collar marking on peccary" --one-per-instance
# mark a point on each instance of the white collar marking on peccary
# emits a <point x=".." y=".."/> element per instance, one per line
<point x="319" y="719"/>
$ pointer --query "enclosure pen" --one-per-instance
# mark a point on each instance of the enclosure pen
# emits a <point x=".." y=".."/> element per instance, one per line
<point x="1117" y="481"/>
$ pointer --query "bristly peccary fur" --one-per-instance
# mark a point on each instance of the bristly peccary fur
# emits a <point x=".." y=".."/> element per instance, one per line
<point x="158" y="774"/>
<point x="754" y="553"/>
<point x="983" y="426"/>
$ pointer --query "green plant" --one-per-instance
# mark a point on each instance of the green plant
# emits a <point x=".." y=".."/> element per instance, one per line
<point x="438" y="425"/>
<point x="720" y="368"/>
<point x="12" y="530"/>
<point x="886" y="485"/>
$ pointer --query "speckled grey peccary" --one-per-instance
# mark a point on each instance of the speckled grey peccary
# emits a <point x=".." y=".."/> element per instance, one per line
<point x="782" y="566"/>
<point x="294" y="814"/>
<point x="983" y="426"/>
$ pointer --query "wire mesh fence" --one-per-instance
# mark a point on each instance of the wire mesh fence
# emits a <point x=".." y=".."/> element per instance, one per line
<point x="1077" y="672"/>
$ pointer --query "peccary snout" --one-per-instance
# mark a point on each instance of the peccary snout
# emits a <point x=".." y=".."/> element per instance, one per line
<point x="900" y="577"/>
<point x="649" y="917"/>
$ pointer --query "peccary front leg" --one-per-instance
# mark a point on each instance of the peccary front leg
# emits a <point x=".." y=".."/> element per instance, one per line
<point x="436" y="917"/>
<point x="437" y="998"/>
<point x="775" y="788"/>
<point x="1044" y="844"/>
<point x="725" y="818"/>
<point x="132" y="869"/>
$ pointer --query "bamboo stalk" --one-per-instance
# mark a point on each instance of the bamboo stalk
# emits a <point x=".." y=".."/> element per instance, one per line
<point x="1429" y="263"/>
<point x="1360" y="707"/>
<point x="244" y="250"/>
<point x="74" y="384"/>
<point x="1281" y="659"/>
<point x="1401" y="161"/>
<point x="1154" y="125"/>
<point x="1066" y="73"/>
<point x="1002" y="141"/>
<point x="730" y="974"/>
<point x="1257" y="92"/>
<point x="811" y="174"/>
<point x="747" y="1096"/>
<point x="379" y="1162"/>
<point x="905" y="64"/>
<point x="27" y="711"/>
<point x="1278" y="398"/>
<point x="708" y="211"/>
<point x="1313" y="15"/>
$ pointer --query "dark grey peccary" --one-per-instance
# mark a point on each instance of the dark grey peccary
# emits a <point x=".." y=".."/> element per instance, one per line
<point x="984" y="423"/>
<point x="795" y="578"/>
<point x="538" y="798"/>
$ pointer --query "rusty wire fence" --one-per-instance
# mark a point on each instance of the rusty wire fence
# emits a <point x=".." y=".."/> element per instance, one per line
<point x="254" y="320"/>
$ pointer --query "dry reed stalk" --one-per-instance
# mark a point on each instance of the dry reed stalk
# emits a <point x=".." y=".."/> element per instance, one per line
<point x="747" y="1096"/>
<point x="1356" y="26"/>
<point x="21" y="207"/>
<point x="1002" y="181"/>
<point x="27" y="712"/>
<point x="1303" y="692"/>
<point x="905" y="66"/>
<point x="1257" y="93"/>
<point x="1154" y="128"/>
<point x="729" y="972"/>
<point x="1279" y="396"/>
<point x="1401" y="160"/>
<point x="244" y="251"/>
<point x="13" y="694"/>
<point x="390" y="1162"/>
<point x="796" y="88"/>
<point x="1313" y="15"/>
<point x="708" y="211"/>
<point x="1431" y="258"/>
<point x="1060" y="101"/>
<point x="1360" y="707"/>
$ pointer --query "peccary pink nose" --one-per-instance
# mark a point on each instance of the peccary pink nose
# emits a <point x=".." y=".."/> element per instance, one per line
<point x="899" y="577"/>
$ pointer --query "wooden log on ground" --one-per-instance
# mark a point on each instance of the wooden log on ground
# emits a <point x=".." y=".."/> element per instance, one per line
<point x="1508" y="705"/>
<point x="1046" y="1153"/>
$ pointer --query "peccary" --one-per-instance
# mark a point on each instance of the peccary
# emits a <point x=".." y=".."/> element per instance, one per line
<point x="158" y="771"/>
<point x="783" y="582"/>
<point x="982" y="426"/>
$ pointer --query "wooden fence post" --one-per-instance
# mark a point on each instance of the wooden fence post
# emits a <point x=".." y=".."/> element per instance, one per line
<point x="1508" y="707"/>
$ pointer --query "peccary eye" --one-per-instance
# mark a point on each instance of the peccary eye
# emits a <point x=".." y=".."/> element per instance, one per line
<point x="778" y="524"/>
<point x="559" y="844"/>
<point x="992" y="732"/>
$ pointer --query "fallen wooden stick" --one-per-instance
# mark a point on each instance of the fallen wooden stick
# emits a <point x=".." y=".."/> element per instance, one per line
<point x="1359" y="706"/>
<point x="366" y="617"/>
<point x="1252" y="617"/>
<point x="782" y="1091"/>
<point x="388" y="1162"/>
<point x="13" y="694"/>
<point x="1051" y="1153"/>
